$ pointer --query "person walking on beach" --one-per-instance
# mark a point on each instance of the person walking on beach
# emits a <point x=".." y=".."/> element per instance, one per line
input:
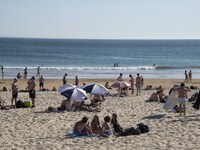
<point x="41" y="83"/>
<point x="65" y="79"/>
<point x="25" y="73"/>
<point x="182" y="96"/>
<point x="76" y="80"/>
<point x="14" y="92"/>
<point x="31" y="88"/>
<point x="138" y="84"/>
<point x="132" y="83"/>
<point x="190" y="76"/>
<point x="38" y="72"/>
<point x="186" y="76"/>
<point x="2" y="73"/>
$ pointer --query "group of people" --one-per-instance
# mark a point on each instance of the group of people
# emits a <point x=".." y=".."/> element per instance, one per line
<point x="188" y="76"/>
<point x="138" y="82"/>
<point x="106" y="129"/>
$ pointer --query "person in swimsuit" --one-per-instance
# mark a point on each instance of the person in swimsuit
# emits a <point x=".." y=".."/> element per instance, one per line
<point x="106" y="128"/>
<point x="182" y="96"/>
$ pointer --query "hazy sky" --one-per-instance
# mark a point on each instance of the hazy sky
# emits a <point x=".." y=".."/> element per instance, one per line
<point x="101" y="19"/>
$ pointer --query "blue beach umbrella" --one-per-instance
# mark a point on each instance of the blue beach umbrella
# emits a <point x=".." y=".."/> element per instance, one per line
<point x="95" y="89"/>
<point x="73" y="93"/>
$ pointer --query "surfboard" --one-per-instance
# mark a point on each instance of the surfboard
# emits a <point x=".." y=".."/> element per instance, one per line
<point x="171" y="101"/>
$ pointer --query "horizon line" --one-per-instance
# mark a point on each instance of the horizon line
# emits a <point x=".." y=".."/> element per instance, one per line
<point x="18" y="37"/>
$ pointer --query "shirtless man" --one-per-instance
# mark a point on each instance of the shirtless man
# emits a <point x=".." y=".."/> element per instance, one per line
<point x="65" y="79"/>
<point x="31" y="88"/>
<point x="182" y="96"/>
<point x="14" y="91"/>
<point x="82" y="127"/>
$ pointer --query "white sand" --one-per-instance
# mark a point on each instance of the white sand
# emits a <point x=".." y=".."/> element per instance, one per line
<point x="32" y="128"/>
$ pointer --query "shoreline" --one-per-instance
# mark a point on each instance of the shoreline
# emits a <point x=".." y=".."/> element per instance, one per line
<point x="50" y="83"/>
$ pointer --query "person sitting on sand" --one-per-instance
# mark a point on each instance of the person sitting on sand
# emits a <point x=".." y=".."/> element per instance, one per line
<point x="54" y="89"/>
<point x="95" y="125"/>
<point x="107" y="86"/>
<point x="65" y="105"/>
<point x="124" y="91"/>
<point x="1" y="103"/>
<point x="115" y="125"/>
<point x="96" y="99"/>
<point x="82" y="127"/>
<point x="106" y="128"/>
<point x="162" y="96"/>
<point x="154" y="97"/>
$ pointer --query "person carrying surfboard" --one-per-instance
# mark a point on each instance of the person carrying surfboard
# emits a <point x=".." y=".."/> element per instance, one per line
<point x="182" y="96"/>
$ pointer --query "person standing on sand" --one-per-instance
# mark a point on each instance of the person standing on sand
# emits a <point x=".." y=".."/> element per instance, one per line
<point x="132" y="83"/>
<point x="138" y="84"/>
<point x="65" y="79"/>
<point x="38" y="72"/>
<point x="182" y="96"/>
<point x="31" y="88"/>
<point x="25" y="73"/>
<point x="186" y="76"/>
<point x="120" y="77"/>
<point x="190" y="76"/>
<point x="76" y="80"/>
<point x="41" y="83"/>
<point x="2" y="73"/>
<point x="14" y="92"/>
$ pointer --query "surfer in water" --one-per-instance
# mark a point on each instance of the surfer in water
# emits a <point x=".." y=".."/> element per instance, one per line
<point x="182" y="96"/>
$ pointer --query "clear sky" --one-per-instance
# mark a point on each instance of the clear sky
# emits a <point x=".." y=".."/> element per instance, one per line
<point x="100" y="19"/>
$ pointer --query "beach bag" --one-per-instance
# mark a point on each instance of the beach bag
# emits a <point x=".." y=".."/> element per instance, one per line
<point x="143" y="127"/>
<point x="130" y="131"/>
<point x="27" y="104"/>
<point x="19" y="104"/>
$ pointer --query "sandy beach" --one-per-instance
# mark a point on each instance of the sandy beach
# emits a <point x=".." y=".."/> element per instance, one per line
<point x="34" y="128"/>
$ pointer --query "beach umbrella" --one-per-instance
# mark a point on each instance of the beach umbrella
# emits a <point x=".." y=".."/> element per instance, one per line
<point x="73" y="93"/>
<point x="95" y="89"/>
<point x="65" y="87"/>
<point x="120" y="84"/>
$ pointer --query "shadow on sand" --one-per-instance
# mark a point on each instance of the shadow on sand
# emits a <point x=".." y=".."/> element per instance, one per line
<point x="154" y="116"/>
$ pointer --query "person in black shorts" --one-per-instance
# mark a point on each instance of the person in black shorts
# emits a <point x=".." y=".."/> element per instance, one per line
<point x="31" y="88"/>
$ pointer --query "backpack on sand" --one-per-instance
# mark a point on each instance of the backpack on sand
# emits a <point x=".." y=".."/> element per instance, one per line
<point x="19" y="104"/>
<point x="143" y="127"/>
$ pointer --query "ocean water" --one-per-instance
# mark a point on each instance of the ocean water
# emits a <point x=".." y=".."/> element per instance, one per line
<point x="96" y="58"/>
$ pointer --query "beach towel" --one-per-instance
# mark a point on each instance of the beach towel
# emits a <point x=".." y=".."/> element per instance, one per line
<point x="197" y="102"/>
<point x="73" y="135"/>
